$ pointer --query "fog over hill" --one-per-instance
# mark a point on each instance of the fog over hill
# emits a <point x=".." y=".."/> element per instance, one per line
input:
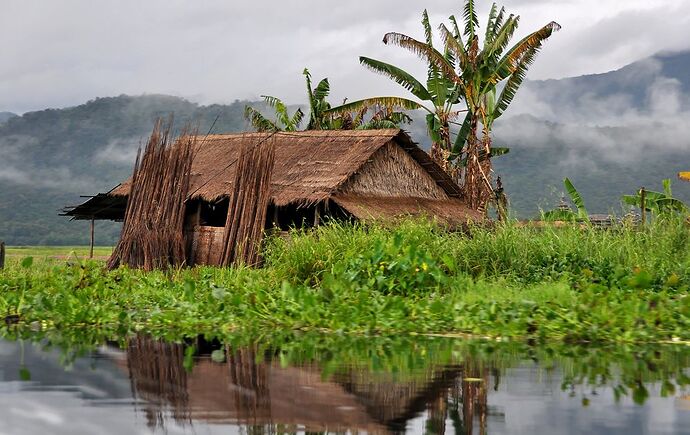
<point x="610" y="133"/>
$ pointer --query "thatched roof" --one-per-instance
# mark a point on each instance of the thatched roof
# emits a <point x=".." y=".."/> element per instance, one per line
<point x="310" y="166"/>
<point x="448" y="211"/>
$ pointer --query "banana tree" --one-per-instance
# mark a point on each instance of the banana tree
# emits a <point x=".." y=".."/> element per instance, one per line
<point x="440" y="90"/>
<point x="565" y="213"/>
<point x="482" y="71"/>
<point x="318" y="105"/>
<point x="283" y="122"/>
<point x="657" y="202"/>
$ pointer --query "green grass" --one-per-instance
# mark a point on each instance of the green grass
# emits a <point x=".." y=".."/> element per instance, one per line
<point x="56" y="252"/>
<point x="549" y="284"/>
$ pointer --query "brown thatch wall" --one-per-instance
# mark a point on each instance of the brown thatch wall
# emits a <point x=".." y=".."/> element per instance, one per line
<point x="392" y="172"/>
<point x="206" y="245"/>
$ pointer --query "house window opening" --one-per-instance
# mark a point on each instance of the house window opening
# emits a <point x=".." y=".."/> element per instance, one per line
<point x="213" y="214"/>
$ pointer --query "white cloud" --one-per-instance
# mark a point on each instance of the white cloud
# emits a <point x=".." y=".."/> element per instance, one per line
<point x="63" y="53"/>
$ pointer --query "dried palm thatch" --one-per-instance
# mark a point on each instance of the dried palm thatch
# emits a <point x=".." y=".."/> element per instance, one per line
<point x="251" y="193"/>
<point x="152" y="234"/>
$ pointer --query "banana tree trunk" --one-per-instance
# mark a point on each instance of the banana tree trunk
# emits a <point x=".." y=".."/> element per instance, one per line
<point x="477" y="186"/>
<point x="440" y="150"/>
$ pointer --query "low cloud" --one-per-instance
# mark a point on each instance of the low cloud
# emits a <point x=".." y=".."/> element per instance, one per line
<point x="118" y="152"/>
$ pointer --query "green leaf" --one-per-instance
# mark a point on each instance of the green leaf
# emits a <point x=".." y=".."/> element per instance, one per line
<point x="27" y="262"/>
<point x="403" y="78"/>
<point x="577" y="200"/>
<point x="470" y="16"/>
<point x="390" y="102"/>
<point x="461" y="138"/>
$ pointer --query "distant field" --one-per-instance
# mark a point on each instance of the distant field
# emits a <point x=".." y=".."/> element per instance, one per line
<point x="56" y="252"/>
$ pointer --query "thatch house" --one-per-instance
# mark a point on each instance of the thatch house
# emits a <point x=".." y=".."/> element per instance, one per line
<point x="359" y="175"/>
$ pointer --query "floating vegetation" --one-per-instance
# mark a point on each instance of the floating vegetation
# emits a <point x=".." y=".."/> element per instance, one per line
<point x="568" y="284"/>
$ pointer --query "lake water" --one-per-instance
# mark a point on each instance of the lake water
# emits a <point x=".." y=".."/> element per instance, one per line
<point x="338" y="385"/>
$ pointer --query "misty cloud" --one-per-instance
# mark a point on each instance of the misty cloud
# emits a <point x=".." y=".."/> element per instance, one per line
<point x="219" y="51"/>
<point x="118" y="152"/>
<point x="51" y="178"/>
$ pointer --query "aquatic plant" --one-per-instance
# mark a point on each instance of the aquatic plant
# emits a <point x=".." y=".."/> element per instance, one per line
<point x="566" y="284"/>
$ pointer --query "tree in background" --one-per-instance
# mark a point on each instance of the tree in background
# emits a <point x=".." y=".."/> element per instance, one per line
<point x="480" y="72"/>
<point x="440" y="90"/>
<point x="371" y="115"/>
<point x="466" y="71"/>
<point x="284" y="121"/>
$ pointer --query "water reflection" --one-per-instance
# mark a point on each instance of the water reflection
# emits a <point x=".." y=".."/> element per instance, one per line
<point x="327" y="384"/>
<point x="270" y="391"/>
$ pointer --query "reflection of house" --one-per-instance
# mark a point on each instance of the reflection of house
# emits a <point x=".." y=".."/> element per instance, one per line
<point x="252" y="389"/>
<point x="368" y="174"/>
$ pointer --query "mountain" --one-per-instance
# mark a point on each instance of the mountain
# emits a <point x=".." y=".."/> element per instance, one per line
<point x="610" y="133"/>
<point x="6" y="116"/>
<point x="51" y="157"/>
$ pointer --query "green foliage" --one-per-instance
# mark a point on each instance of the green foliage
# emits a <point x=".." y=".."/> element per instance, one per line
<point x="658" y="202"/>
<point x="564" y="284"/>
<point x="284" y="121"/>
<point x="567" y="214"/>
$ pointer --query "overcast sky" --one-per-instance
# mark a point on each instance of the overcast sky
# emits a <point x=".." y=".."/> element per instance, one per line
<point x="63" y="53"/>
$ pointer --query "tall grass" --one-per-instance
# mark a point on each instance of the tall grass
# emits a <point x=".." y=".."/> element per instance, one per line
<point x="572" y="283"/>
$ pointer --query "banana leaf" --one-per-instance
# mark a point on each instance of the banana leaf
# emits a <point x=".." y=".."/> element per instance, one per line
<point x="577" y="199"/>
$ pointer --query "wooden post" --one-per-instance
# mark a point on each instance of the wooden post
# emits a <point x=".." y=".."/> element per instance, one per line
<point x="92" y="238"/>
<point x="643" y="217"/>
<point x="2" y="254"/>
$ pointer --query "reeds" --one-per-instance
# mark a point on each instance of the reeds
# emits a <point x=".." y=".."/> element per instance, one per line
<point x="152" y="234"/>
<point x="251" y="192"/>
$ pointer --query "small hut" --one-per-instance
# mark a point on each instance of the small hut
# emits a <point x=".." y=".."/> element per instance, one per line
<point x="356" y="175"/>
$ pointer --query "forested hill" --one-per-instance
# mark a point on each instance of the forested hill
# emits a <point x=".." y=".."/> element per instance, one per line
<point x="51" y="157"/>
<point x="610" y="133"/>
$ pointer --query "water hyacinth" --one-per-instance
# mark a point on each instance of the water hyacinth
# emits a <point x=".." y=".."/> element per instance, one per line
<point x="565" y="284"/>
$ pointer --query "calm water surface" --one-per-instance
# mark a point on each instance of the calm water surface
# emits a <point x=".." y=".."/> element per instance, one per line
<point x="377" y="386"/>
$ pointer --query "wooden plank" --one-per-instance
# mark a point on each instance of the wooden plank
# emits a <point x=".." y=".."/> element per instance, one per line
<point x="92" y="238"/>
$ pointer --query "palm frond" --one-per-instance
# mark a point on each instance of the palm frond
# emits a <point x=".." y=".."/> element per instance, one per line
<point x="498" y="22"/>
<point x="490" y="25"/>
<point x="454" y="45"/>
<point x="514" y="83"/>
<point x="469" y="14"/>
<point x="511" y="60"/>
<point x="258" y="121"/>
<point x="403" y="78"/>
<point x="577" y="199"/>
<point x="271" y="101"/>
<point x="461" y="138"/>
<point x="390" y="102"/>
<point x="295" y="121"/>
<point x="502" y="37"/>
<point x="428" y="36"/>
<point x="322" y="89"/>
<point x="424" y="51"/>
<point x="456" y="29"/>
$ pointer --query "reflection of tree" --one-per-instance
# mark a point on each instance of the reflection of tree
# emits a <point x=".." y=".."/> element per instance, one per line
<point x="158" y="377"/>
